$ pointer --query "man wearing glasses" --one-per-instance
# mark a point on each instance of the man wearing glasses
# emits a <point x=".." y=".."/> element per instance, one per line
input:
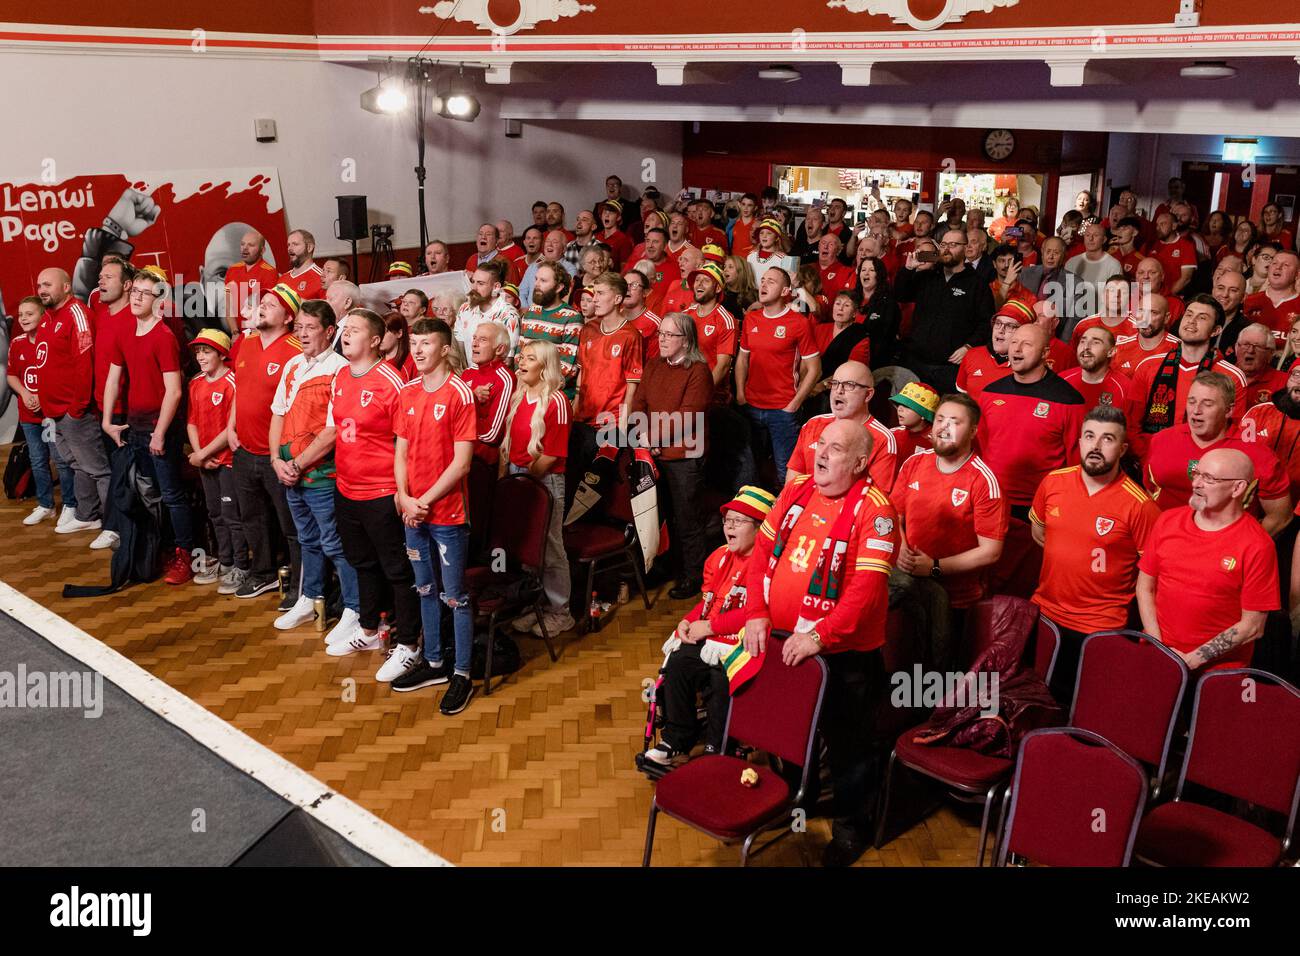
<point x="851" y="389"/>
<point x="1174" y="454"/>
<point x="1254" y="356"/>
<point x="953" y="309"/>
<point x="151" y="357"/>
<point x="984" y="364"/>
<point x="1208" y="577"/>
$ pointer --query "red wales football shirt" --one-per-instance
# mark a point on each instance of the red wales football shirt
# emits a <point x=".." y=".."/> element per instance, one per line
<point x="775" y="345"/>
<point x="608" y="362"/>
<point x="432" y="422"/>
<point x="363" y="409"/>
<point x="257" y="371"/>
<point x="209" y="409"/>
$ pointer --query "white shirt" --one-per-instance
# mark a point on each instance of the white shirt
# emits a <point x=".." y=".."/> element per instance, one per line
<point x="469" y="318"/>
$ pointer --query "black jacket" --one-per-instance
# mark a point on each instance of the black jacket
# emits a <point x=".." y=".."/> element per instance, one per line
<point x="948" y="314"/>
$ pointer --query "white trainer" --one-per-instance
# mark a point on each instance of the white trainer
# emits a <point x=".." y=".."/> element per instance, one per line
<point x="39" y="514"/>
<point x="358" y="642"/>
<point x="401" y="659"/>
<point x="348" y="626"/>
<point x="104" y="540"/>
<point x="65" y="515"/>
<point x="73" y="525"/>
<point x="303" y="612"/>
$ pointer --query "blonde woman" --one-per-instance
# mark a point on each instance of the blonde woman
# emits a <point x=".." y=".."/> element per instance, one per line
<point x="740" y="292"/>
<point x="537" y="442"/>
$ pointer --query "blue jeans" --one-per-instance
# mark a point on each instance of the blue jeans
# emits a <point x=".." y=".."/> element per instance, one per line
<point x="41" y="452"/>
<point x="783" y="428"/>
<point x="165" y="469"/>
<point x="440" y="581"/>
<point x="318" y="537"/>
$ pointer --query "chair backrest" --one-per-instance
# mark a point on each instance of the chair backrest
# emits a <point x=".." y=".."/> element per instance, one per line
<point x="522" y="515"/>
<point x="1244" y="740"/>
<point x="1047" y="645"/>
<point x="1076" y="800"/>
<point x="1130" y="690"/>
<point x="777" y="710"/>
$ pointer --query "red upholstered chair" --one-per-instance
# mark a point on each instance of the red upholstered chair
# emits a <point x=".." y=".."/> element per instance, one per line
<point x="521" y="517"/>
<point x="1064" y="777"/>
<point x="776" y="712"/>
<point x="595" y="544"/>
<point x="1130" y="691"/>
<point x="969" y="776"/>
<point x="1244" y="743"/>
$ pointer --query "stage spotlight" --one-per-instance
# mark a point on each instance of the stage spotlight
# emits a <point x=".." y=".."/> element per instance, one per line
<point x="386" y="98"/>
<point x="456" y="99"/>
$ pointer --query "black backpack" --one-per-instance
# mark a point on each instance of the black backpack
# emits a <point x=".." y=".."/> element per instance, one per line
<point x="19" y="481"/>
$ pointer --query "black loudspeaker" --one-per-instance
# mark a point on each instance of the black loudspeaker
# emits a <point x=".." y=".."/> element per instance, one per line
<point x="353" y="220"/>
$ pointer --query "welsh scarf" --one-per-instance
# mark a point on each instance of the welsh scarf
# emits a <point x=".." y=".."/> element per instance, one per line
<point x="1164" y="390"/>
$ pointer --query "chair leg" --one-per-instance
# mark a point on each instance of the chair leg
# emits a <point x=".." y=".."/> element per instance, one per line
<point x="989" y="799"/>
<point x="586" y="594"/>
<point x="640" y="578"/>
<point x="650" y="835"/>
<point x="1000" y="835"/>
<point x="546" y="635"/>
<point x="487" y="663"/>
<point x="884" y="799"/>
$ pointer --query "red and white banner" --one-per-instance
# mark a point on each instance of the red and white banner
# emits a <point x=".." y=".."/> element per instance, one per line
<point x="189" y="222"/>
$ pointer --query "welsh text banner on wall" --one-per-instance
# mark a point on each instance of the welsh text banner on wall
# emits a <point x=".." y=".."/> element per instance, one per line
<point x="187" y="221"/>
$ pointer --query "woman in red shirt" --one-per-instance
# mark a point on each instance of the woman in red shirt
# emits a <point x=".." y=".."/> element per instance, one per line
<point x="396" y="346"/>
<point x="537" y="442"/>
<point x="1272" y="227"/>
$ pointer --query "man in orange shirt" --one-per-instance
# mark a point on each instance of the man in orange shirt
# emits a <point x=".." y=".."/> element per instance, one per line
<point x="1092" y="521"/>
<point x="248" y="278"/>
<point x="610" y="352"/>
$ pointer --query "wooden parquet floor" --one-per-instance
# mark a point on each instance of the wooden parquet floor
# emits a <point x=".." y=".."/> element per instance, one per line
<point x="541" y="773"/>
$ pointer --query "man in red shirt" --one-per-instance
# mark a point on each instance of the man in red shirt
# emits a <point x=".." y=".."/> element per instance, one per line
<point x="1114" y="314"/>
<point x="714" y="325"/>
<point x="259" y="366"/>
<point x="703" y="232"/>
<point x="1176" y="255"/>
<point x="304" y="277"/>
<point x="776" y="343"/>
<point x="982" y="365"/>
<point x="435" y="425"/>
<point x="1174" y="453"/>
<point x="642" y="319"/>
<point x="1092" y="522"/>
<point x="1152" y="336"/>
<point x="953" y="513"/>
<point x="1126" y="246"/>
<point x="508" y="249"/>
<point x="1030" y="420"/>
<point x="1097" y="382"/>
<point x="365" y="400"/>
<point x="247" y="279"/>
<point x="610" y="360"/>
<point x="1254" y="351"/>
<point x="111" y="318"/>
<point x="64" y="375"/>
<point x="1276" y="426"/>
<point x="1007" y="263"/>
<point x="1277" y="305"/>
<point x="151" y="356"/>
<point x="1208" y="577"/>
<point x="836" y="276"/>
<point x="741" y="229"/>
<point x="678" y="296"/>
<point x="851" y="391"/>
<point x="492" y="384"/>
<point x="612" y="235"/>
<point x="666" y="271"/>
<point x="820" y="569"/>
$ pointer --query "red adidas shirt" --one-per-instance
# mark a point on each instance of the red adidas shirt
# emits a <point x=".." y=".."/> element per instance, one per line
<point x="22" y="356"/>
<point x="1114" y="389"/>
<point x="1173" y="453"/>
<point x="1126" y="329"/>
<point x="363" y="408"/>
<point x="1267" y="425"/>
<point x="65" y="365"/>
<point x="775" y="345"/>
<point x="1205" y="579"/>
<point x="608" y="362"/>
<point x="946" y="514"/>
<point x="1128" y="261"/>
<point x="257" y="371"/>
<point x="1091" y="548"/>
<point x="209" y="409"/>
<point x="717" y="334"/>
<point x="490" y="416"/>
<point x="432" y="422"/>
<point x="980" y="367"/>
<point x="726" y="582"/>
<point x="555" y="437"/>
<point x="909" y="443"/>
<point x="108" y="328"/>
<point x="1129" y="353"/>
<point x="308" y="281"/>
<point x="1174" y="256"/>
<point x="1260" y="308"/>
<point x="1028" y="430"/>
<point x="146" y="359"/>
<point x="882" y="466"/>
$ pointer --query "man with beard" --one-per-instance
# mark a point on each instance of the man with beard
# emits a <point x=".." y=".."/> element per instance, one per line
<point x="953" y="514"/>
<point x="304" y="277"/>
<point x="1029" y="420"/>
<point x="485" y="303"/>
<point x="851" y="390"/>
<point x="953" y="309"/>
<point x="1096" y="381"/>
<point x="1229" y="290"/>
<point x="437" y="258"/>
<point x="1092" y="522"/>
<point x="1255" y="359"/>
<point x="1162" y="381"/>
<point x="1276" y="425"/>
<point x="247" y="279"/>
<point x="1208" y="577"/>
<point x="717" y="329"/>
<point x="1174" y="452"/>
<point x="555" y="220"/>
<point x="1151" y="321"/>
<point x="985" y="364"/>
<point x="1176" y="255"/>
<point x="551" y="320"/>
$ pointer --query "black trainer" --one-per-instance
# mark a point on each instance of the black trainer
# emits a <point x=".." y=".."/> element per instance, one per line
<point x="458" y="695"/>
<point x="253" y="586"/>
<point x="421" y="675"/>
<point x="840" y="853"/>
<point x="685" y="588"/>
<point x="289" y="600"/>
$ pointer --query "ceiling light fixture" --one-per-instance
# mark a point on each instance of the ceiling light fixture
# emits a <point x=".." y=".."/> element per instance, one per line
<point x="780" y="73"/>
<point x="1208" y="70"/>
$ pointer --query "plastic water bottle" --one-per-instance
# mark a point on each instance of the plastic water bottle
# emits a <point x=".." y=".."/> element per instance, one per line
<point x="595" y="612"/>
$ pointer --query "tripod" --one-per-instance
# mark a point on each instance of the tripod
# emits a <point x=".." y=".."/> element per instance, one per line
<point x="381" y="251"/>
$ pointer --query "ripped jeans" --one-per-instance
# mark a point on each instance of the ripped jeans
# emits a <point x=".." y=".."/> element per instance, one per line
<point x="437" y="554"/>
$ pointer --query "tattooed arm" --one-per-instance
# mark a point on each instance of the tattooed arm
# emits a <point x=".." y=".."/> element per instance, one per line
<point x="1249" y="628"/>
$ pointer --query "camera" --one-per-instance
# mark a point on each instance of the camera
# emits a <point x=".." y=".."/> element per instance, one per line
<point x="381" y="230"/>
